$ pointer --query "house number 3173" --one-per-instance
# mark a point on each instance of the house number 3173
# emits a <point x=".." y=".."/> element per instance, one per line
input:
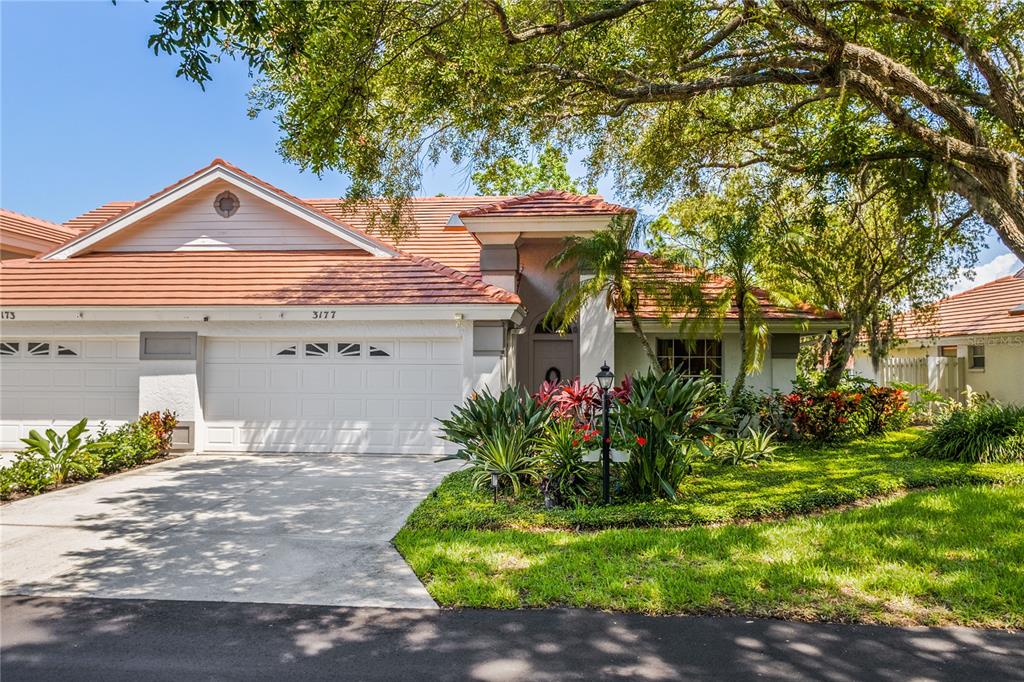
<point x="323" y="314"/>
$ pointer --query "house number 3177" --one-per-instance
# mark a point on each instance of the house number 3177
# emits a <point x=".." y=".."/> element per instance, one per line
<point x="323" y="314"/>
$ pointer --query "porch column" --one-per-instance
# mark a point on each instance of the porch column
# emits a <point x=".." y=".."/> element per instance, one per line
<point x="597" y="339"/>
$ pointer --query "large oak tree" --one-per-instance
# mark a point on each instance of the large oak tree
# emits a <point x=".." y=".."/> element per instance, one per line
<point x="657" y="91"/>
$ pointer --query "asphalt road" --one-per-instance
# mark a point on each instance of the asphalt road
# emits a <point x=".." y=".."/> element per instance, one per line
<point x="119" y="639"/>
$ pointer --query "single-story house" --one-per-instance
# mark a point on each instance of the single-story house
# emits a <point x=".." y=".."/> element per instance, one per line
<point x="973" y="341"/>
<point x="271" y="323"/>
<point x="23" y="236"/>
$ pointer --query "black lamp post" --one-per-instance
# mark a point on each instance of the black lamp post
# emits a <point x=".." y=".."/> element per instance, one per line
<point x="605" y="378"/>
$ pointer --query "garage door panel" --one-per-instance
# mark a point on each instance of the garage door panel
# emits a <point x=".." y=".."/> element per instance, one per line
<point x="99" y="382"/>
<point x="284" y="378"/>
<point x="315" y="379"/>
<point x="380" y="379"/>
<point x="445" y="380"/>
<point x="344" y="400"/>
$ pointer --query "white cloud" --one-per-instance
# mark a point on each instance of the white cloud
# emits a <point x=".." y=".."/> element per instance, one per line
<point x="1000" y="266"/>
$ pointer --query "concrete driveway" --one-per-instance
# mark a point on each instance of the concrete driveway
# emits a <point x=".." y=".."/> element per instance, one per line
<point x="293" y="529"/>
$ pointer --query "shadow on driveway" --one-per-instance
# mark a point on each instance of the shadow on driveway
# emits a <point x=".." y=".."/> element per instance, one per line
<point x="280" y="529"/>
<point x="131" y="639"/>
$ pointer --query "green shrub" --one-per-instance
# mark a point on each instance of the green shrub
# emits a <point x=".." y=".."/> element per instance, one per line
<point x="65" y="456"/>
<point x="561" y="449"/>
<point x="508" y="453"/>
<point x="664" y="421"/>
<point x="986" y="433"/>
<point x="484" y="415"/>
<point x="28" y="474"/>
<point x="751" y="450"/>
<point x="127" y="446"/>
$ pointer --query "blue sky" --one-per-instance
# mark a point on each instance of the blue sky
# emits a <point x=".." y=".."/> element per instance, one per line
<point x="88" y="115"/>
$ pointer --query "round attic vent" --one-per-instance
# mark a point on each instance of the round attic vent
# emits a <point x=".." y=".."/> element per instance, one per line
<point x="226" y="204"/>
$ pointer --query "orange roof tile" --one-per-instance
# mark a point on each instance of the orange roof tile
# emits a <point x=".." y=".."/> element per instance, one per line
<point x="549" y="202"/>
<point x="239" y="278"/>
<point x="110" y="216"/>
<point x="33" y="228"/>
<point x="985" y="309"/>
<point x="458" y="249"/>
<point x="711" y="290"/>
<point x="98" y="216"/>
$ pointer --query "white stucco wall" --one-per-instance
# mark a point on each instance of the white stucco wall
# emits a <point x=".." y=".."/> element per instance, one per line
<point x="1003" y="376"/>
<point x="775" y="373"/>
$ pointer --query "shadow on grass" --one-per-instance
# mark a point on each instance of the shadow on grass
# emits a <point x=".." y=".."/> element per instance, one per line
<point x="800" y="480"/>
<point x="935" y="557"/>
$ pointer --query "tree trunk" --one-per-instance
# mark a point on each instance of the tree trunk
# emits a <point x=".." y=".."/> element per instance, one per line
<point x="741" y="376"/>
<point x="840" y="352"/>
<point x="634" y="322"/>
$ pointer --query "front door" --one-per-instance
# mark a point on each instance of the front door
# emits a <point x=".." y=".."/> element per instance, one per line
<point x="553" y="358"/>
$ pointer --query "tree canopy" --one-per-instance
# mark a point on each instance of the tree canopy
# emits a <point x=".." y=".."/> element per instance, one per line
<point x="510" y="176"/>
<point x="656" y="91"/>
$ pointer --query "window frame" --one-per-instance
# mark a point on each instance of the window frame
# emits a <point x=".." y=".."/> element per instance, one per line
<point x="973" y="356"/>
<point x="706" y="352"/>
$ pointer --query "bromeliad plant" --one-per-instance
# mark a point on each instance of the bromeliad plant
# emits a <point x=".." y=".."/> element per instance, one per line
<point x="484" y="414"/>
<point x="751" y="450"/>
<point x="561" y="451"/>
<point x="508" y="453"/>
<point x="666" y="420"/>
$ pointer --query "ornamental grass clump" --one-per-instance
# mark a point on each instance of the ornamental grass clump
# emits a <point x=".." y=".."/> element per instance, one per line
<point x="984" y="433"/>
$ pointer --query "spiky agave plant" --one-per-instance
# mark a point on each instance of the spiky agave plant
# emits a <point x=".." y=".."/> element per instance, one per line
<point x="509" y="453"/>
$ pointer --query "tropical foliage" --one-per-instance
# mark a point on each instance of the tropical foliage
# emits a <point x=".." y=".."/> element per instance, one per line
<point x="984" y="433"/>
<point x="53" y="459"/>
<point x="511" y="176"/>
<point x="665" y="423"/>
<point x="658" y="93"/>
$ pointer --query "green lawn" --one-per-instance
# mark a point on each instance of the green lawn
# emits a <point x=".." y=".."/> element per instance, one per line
<point x="951" y="554"/>
<point x="801" y="479"/>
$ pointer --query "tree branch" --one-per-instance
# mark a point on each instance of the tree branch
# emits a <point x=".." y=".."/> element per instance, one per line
<point x="514" y="37"/>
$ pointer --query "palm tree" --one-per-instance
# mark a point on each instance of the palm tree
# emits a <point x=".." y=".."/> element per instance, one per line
<point x="724" y="244"/>
<point x="604" y="265"/>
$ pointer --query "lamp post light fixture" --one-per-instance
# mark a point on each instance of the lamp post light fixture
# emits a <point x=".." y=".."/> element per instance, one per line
<point x="494" y="486"/>
<point x="605" y="378"/>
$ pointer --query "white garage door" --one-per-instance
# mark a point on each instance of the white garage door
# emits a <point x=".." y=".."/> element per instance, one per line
<point x="329" y="394"/>
<point x="55" y="382"/>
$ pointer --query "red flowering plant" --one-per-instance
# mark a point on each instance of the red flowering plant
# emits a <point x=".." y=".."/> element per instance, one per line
<point x="574" y="400"/>
<point x="566" y="477"/>
<point x="666" y="421"/>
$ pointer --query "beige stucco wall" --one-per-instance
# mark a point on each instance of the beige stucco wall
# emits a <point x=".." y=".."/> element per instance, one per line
<point x="775" y="373"/>
<point x="538" y="288"/>
<point x="1003" y="376"/>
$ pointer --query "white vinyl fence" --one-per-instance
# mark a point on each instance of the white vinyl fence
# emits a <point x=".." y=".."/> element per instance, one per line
<point x="945" y="376"/>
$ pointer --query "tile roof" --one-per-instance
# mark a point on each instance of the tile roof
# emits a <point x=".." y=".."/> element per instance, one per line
<point x="239" y="278"/>
<point x="98" y="216"/>
<point x="985" y="309"/>
<point x="711" y="290"/>
<point x="33" y="228"/>
<point x="549" y="202"/>
<point x="456" y="248"/>
<point x="221" y="163"/>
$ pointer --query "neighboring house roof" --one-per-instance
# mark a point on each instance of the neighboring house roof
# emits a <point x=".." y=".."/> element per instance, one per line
<point x="549" y="202"/>
<point x="239" y="278"/>
<point x="712" y="289"/>
<point x="16" y="225"/>
<point x="985" y="309"/>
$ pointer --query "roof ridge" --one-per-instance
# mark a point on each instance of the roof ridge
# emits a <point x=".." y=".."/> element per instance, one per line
<point x="595" y="201"/>
<point x="462" y="278"/>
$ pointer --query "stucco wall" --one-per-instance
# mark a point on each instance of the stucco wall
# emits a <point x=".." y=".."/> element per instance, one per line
<point x="538" y="288"/>
<point x="775" y="374"/>
<point x="1003" y="376"/>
